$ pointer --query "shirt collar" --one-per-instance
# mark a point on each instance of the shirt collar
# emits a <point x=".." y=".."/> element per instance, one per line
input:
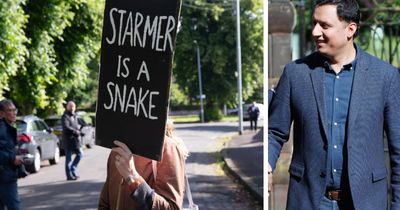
<point x="348" y="67"/>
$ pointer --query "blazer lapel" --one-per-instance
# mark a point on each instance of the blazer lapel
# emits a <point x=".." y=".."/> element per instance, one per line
<point x="317" y="78"/>
<point x="358" y="90"/>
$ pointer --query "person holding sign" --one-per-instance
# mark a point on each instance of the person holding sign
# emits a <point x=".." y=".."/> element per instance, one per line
<point x="135" y="182"/>
<point x="138" y="43"/>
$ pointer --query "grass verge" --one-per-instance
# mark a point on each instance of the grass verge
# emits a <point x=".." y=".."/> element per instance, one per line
<point x="196" y="119"/>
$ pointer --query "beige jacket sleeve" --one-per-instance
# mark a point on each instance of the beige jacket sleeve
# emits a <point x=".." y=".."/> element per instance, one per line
<point x="162" y="193"/>
<point x="170" y="181"/>
<point x="104" y="200"/>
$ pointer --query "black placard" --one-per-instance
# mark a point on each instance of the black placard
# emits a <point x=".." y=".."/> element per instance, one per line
<point x="136" y="59"/>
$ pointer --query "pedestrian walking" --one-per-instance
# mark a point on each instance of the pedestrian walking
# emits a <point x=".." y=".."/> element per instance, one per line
<point x="340" y="100"/>
<point x="254" y="113"/>
<point x="71" y="135"/>
<point x="135" y="182"/>
<point x="9" y="161"/>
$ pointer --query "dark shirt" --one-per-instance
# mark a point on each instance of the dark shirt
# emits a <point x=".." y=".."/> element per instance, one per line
<point x="337" y="97"/>
<point x="254" y="112"/>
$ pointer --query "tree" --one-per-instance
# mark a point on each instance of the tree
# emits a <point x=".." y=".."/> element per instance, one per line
<point x="47" y="21"/>
<point x="78" y="54"/>
<point x="12" y="40"/>
<point x="86" y="96"/>
<point x="177" y="98"/>
<point x="63" y="36"/>
<point x="212" y="25"/>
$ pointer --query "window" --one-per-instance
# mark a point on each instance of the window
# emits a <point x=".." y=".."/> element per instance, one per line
<point x="34" y="126"/>
<point x="40" y="125"/>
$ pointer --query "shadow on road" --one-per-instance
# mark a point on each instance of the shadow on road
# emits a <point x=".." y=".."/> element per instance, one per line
<point x="209" y="192"/>
<point x="205" y="158"/>
<point x="214" y="192"/>
<point x="259" y="136"/>
<point x="61" y="195"/>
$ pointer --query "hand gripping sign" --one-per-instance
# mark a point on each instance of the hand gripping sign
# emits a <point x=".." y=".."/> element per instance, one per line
<point x="137" y="48"/>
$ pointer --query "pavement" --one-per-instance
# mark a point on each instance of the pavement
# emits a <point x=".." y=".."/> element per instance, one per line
<point x="243" y="156"/>
<point x="211" y="188"/>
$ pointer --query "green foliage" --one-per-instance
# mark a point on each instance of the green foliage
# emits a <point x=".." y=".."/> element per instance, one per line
<point x="380" y="30"/>
<point x="12" y="40"/>
<point x="177" y="97"/>
<point x="49" y="53"/>
<point x="46" y="46"/>
<point x="90" y="24"/>
<point x="79" y="46"/>
<point x="213" y="26"/>
<point x="212" y="113"/>
<point x="86" y="95"/>
<point x="186" y="119"/>
<point x="47" y="21"/>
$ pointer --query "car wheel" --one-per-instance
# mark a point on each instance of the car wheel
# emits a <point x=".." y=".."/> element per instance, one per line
<point x="56" y="158"/>
<point x="35" y="166"/>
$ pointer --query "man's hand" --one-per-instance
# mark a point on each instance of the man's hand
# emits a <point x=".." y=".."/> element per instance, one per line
<point x="124" y="160"/>
<point x="18" y="160"/>
<point x="269" y="178"/>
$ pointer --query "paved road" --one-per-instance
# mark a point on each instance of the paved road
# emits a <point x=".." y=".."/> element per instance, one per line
<point x="48" y="189"/>
<point x="211" y="188"/>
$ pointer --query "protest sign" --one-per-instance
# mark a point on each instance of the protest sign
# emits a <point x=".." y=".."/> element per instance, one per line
<point x="137" y="48"/>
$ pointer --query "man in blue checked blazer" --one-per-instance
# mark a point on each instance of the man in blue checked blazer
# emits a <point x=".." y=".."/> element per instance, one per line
<point x="340" y="101"/>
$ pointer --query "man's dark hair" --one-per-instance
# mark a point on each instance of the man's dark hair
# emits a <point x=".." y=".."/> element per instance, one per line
<point x="347" y="10"/>
<point x="5" y="103"/>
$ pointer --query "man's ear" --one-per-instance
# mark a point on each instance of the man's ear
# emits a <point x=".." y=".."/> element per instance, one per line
<point x="351" y="30"/>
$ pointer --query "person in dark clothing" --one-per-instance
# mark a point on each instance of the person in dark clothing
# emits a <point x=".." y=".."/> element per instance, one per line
<point x="9" y="161"/>
<point x="335" y="105"/>
<point x="71" y="140"/>
<point x="254" y="112"/>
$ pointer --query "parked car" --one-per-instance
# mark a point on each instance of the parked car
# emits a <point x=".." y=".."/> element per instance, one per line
<point x="87" y="129"/>
<point x="54" y="122"/>
<point x="246" y="116"/>
<point x="36" y="142"/>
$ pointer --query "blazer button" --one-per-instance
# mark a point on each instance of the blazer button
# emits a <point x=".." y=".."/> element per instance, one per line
<point x="322" y="174"/>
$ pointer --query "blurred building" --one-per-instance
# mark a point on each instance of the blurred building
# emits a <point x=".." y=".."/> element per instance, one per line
<point x="281" y="22"/>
